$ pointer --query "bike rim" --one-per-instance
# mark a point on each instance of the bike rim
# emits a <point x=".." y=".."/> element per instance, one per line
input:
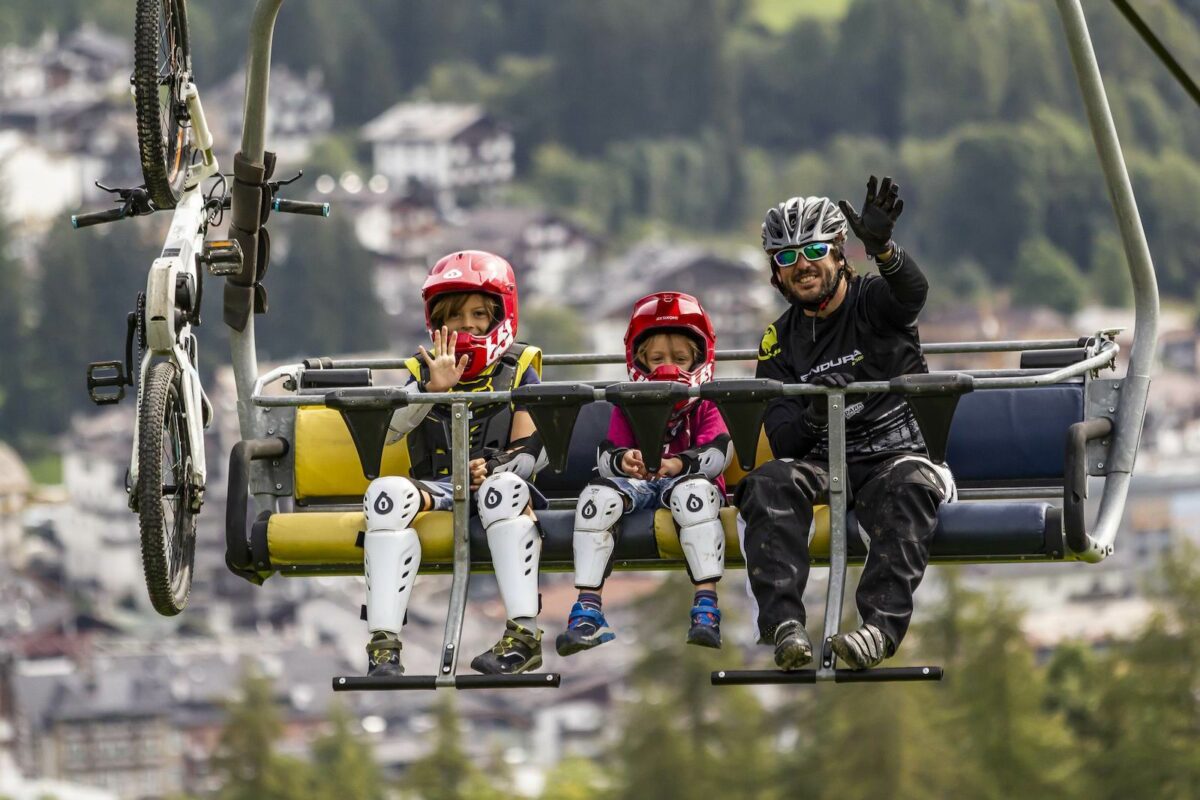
<point x="171" y="76"/>
<point x="175" y="483"/>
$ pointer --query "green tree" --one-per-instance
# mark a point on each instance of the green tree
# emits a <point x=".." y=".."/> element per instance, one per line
<point x="343" y="764"/>
<point x="320" y="296"/>
<point x="87" y="283"/>
<point x="13" y="305"/>
<point x="1109" y="270"/>
<point x="447" y="772"/>
<point x="575" y="779"/>
<point x="990" y="204"/>
<point x="245" y="761"/>
<point x="1008" y="743"/>
<point x="1045" y="276"/>
<point x="1145" y="730"/>
<point x="680" y="736"/>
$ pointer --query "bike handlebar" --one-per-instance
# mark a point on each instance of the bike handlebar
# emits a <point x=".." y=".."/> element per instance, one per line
<point x="300" y="207"/>
<point x="97" y="217"/>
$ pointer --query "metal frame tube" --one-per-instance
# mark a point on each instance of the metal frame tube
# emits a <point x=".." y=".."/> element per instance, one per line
<point x="1136" y="385"/>
<point x="1039" y="377"/>
<point x="460" y="440"/>
<point x="243" y="352"/>
<point x="836" y="589"/>
<point x="582" y="359"/>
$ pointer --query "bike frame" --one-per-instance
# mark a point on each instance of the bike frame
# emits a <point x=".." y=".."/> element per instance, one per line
<point x="184" y="241"/>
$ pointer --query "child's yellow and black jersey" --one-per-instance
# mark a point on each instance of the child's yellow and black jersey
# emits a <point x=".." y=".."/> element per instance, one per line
<point x="429" y="442"/>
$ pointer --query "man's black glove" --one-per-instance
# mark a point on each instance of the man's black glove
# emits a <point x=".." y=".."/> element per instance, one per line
<point x="881" y="209"/>
<point x="816" y="412"/>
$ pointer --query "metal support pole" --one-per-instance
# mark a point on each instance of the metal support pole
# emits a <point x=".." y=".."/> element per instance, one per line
<point x="837" y="534"/>
<point x="1136" y="386"/>
<point x="460" y="446"/>
<point x="243" y="352"/>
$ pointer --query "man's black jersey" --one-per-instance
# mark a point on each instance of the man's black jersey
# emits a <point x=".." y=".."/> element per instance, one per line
<point x="873" y="336"/>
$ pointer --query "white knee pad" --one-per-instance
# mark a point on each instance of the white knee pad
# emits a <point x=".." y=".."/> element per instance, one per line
<point x="391" y="504"/>
<point x="514" y="541"/>
<point x="391" y="550"/>
<point x="696" y="506"/>
<point x="599" y="508"/>
<point x="502" y="496"/>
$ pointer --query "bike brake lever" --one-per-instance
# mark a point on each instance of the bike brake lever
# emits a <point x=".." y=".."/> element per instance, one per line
<point x="276" y="184"/>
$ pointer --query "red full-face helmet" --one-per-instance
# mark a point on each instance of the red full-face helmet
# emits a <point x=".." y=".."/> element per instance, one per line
<point x="671" y="312"/>
<point x="483" y="273"/>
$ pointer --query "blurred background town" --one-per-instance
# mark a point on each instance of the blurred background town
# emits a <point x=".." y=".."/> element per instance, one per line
<point x="607" y="150"/>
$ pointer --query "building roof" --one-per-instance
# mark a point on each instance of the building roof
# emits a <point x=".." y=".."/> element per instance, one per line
<point x="664" y="266"/>
<point x="422" y="122"/>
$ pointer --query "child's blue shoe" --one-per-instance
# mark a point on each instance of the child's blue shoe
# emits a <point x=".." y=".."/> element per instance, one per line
<point x="706" y="626"/>
<point x="586" y="628"/>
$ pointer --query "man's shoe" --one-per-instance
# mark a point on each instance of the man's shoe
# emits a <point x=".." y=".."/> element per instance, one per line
<point x="383" y="656"/>
<point x="863" y="648"/>
<point x="793" y="650"/>
<point x="519" y="650"/>
<point x="586" y="628"/>
<point x="706" y="627"/>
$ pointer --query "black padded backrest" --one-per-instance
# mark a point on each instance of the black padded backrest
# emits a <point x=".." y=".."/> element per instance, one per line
<point x="1013" y="435"/>
<point x="590" y="429"/>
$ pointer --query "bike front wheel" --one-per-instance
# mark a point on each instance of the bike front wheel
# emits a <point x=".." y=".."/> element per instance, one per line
<point x="165" y="495"/>
<point x="162" y="66"/>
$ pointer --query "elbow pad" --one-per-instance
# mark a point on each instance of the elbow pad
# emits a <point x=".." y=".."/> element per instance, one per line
<point x="523" y="458"/>
<point x="708" y="459"/>
<point x="405" y="418"/>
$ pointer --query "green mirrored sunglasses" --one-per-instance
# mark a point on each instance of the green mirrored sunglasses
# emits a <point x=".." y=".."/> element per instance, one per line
<point x="813" y="251"/>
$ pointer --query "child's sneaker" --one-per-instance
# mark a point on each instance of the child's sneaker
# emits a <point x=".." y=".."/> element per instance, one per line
<point x="383" y="656"/>
<point x="519" y="650"/>
<point x="586" y="628"/>
<point x="706" y="626"/>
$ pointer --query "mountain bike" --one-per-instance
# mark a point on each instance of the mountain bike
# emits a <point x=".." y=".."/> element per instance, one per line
<point x="167" y="472"/>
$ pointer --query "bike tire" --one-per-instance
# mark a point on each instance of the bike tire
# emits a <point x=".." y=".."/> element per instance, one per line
<point x="166" y="518"/>
<point x="162" y="64"/>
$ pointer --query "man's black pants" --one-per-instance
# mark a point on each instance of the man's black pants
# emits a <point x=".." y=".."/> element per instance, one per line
<point x="895" y="503"/>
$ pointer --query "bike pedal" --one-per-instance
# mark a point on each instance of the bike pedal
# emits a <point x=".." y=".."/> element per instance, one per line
<point x="222" y="257"/>
<point x="98" y="379"/>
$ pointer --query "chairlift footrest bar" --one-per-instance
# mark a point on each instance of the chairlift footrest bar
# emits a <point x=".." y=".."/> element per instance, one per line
<point x="534" y="680"/>
<point x="758" y="677"/>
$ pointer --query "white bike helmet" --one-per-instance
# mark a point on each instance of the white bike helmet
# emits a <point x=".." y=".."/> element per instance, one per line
<point x="802" y="220"/>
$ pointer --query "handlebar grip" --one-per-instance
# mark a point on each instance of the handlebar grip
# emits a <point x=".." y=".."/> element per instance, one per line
<point x="97" y="217"/>
<point x="300" y="207"/>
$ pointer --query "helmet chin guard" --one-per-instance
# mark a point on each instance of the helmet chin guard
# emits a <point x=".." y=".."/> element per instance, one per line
<point x="476" y="272"/>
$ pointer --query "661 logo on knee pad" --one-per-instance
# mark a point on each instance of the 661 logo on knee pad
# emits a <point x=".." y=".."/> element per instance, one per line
<point x="694" y="503"/>
<point x="589" y="510"/>
<point x="383" y="504"/>
<point x="491" y="498"/>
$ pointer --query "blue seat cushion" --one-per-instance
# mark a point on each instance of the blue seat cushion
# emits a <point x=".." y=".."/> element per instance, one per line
<point x="1013" y="435"/>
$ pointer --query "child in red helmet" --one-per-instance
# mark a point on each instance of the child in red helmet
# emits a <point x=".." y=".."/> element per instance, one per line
<point x="471" y="313"/>
<point x="670" y="338"/>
